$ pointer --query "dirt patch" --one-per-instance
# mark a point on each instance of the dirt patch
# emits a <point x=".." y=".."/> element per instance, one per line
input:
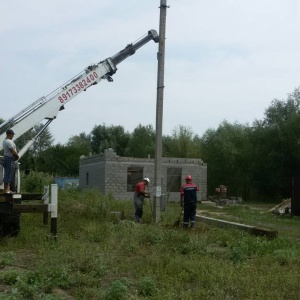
<point x="62" y="294"/>
<point x="4" y="288"/>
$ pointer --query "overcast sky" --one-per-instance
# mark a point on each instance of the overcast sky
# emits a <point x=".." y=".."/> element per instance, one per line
<point x="225" y="60"/>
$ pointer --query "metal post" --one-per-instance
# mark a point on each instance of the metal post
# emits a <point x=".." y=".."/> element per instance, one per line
<point x="46" y="202"/>
<point x="159" y="111"/>
<point x="53" y="209"/>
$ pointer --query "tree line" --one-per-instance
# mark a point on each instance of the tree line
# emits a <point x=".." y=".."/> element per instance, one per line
<point x="256" y="161"/>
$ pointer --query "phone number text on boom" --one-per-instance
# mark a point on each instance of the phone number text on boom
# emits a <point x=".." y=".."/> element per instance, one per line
<point x="83" y="84"/>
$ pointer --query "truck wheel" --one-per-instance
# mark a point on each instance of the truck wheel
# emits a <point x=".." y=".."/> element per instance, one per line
<point x="10" y="225"/>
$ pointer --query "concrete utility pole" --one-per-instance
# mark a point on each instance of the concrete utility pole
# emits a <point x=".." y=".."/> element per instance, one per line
<point x="159" y="111"/>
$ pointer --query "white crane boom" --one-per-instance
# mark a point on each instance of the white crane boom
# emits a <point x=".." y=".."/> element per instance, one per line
<point x="49" y="106"/>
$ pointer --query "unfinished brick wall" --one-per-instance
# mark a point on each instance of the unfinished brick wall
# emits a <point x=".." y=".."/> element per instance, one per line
<point x="108" y="173"/>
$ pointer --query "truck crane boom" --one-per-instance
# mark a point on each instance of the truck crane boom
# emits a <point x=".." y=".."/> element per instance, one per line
<point x="48" y="107"/>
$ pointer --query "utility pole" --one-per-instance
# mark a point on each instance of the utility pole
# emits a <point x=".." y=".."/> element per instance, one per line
<point x="159" y="111"/>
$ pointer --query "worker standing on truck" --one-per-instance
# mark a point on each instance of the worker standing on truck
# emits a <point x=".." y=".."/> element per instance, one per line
<point x="9" y="160"/>
<point x="188" y="199"/>
<point x="140" y="193"/>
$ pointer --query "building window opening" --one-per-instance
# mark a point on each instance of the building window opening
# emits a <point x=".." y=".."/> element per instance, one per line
<point x="134" y="175"/>
<point x="173" y="179"/>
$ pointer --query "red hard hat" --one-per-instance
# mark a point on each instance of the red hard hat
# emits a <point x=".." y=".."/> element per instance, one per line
<point x="189" y="177"/>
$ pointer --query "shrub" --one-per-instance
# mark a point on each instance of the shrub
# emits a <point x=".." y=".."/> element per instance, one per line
<point x="237" y="255"/>
<point x="35" y="182"/>
<point x="147" y="287"/>
<point x="11" y="277"/>
<point x="6" y="258"/>
<point x="117" y="291"/>
<point x="55" y="276"/>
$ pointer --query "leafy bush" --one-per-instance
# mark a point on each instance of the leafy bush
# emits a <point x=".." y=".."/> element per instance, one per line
<point x="6" y="258"/>
<point x="35" y="182"/>
<point x="147" y="287"/>
<point x="55" y="276"/>
<point x="29" y="285"/>
<point x="11" y="277"/>
<point x="237" y="255"/>
<point x="117" y="291"/>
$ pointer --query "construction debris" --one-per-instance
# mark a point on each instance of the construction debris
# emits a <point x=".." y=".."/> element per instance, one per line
<point x="221" y="191"/>
<point x="224" y="201"/>
<point x="282" y="208"/>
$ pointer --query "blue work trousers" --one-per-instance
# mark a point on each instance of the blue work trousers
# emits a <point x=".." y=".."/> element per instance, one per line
<point x="9" y="165"/>
<point x="138" y="206"/>
<point x="189" y="213"/>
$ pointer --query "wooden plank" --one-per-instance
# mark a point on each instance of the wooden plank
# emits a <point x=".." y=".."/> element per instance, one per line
<point x="12" y="198"/>
<point x="6" y="197"/>
<point x="32" y="196"/>
<point x="30" y="208"/>
<point x="226" y="224"/>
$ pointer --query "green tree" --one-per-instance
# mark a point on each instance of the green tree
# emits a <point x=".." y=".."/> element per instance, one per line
<point x="104" y="137"/>
<point x="167" y="144"/>
<point x="60" y="160"/>
<point x="277" y="147"/>
<point x="183" y="143"/>
<point x="82" y="142"/>
<point x="142" y="142"/>
<point x="227" y="152"/>
<point x="259" y="160"/>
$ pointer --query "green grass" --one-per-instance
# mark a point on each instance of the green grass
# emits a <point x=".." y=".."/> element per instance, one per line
<point x="97" y="256"/>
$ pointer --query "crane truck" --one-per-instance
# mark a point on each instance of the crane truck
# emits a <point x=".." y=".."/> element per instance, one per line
<point x="47" y="108"/>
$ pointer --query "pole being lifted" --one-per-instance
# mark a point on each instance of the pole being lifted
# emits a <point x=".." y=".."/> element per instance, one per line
<point x="159" y="111"/>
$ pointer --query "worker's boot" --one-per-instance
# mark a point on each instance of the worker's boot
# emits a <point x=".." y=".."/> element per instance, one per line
<point x="138" y="215"/>
<point x="192" y="225"/>
<point x="136" y="219"/>
<point x="185" y="225"/>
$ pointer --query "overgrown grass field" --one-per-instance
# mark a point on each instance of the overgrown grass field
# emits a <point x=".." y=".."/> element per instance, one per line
<point x="97" y="256"/>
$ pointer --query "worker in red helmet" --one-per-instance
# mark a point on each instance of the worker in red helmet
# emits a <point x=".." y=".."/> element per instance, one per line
<point x="140" y="193"/>
<point x="188" y="199"/>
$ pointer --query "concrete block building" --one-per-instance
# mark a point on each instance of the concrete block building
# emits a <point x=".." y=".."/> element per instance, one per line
<point x="111" y="173"/>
